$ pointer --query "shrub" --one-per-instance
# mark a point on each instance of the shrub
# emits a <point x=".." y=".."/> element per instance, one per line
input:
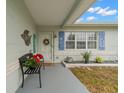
<point x="99" y="59"/>
<point x="86" y="56"/>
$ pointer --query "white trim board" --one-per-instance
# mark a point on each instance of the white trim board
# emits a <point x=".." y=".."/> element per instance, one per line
<point x="87" y="65"/>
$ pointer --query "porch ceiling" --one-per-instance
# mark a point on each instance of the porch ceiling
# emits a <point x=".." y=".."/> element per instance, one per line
<point x="56" y="12"/>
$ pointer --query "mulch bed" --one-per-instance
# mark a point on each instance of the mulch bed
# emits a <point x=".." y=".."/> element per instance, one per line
<point x="98" y="79"/>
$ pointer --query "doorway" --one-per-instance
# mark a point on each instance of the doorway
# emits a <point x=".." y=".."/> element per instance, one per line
<point x="46" y="46"/>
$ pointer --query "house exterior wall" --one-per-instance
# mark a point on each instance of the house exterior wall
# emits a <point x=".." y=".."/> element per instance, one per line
<point x="18" y="19"/>
<point x="110" y="52"/>
<point x="111" y="43"/>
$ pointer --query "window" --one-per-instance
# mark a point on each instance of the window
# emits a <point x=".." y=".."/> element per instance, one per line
<point x="70" y="40"/>
<point x="92" y="39"/>
<point x="81" y="40"/>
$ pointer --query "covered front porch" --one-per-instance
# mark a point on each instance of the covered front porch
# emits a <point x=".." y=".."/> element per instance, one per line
<point x="47" y="25"/>
<point x="55" y="79"/>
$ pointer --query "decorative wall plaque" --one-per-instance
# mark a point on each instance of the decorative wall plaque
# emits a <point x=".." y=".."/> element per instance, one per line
<point x="26" y="37"/>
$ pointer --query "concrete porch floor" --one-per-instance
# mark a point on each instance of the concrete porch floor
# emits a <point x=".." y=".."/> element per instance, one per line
<point x="55" y="79"/>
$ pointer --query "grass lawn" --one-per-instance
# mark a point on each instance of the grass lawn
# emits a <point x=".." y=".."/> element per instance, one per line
<point x="98" y="79"/>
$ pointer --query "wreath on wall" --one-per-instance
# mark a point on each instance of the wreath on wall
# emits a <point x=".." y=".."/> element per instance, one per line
<point x="46" y="41"/>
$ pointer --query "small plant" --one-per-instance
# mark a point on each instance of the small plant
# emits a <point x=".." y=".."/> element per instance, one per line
<point x="99" y="59"/>
<point x="30" y="63"/>
<point x="86" y="56"/>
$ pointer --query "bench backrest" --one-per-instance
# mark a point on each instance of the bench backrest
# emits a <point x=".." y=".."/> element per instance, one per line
<point x="23" y="59"/>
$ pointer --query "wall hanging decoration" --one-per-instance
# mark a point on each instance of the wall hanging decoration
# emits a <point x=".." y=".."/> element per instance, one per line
<point x="46" y="41"/>
<point x="26" y="37"/>
<point x="54" y="36"/>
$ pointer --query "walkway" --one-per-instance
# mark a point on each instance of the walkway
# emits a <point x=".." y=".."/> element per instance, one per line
<point x="55" y="79"/>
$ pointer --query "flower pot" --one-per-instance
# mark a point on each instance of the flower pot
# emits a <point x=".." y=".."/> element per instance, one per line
<point x="86" y="61"/>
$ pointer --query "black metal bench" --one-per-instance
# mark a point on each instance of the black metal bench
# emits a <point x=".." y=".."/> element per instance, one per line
<point x="29" y="71"/>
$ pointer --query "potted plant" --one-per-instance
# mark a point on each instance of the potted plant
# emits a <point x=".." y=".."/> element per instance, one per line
<point x="86" y="56"/>
<point x="99" y="59"/>
<point x="30" y="63"/>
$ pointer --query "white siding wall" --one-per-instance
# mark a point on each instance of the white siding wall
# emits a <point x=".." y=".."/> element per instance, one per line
<point x="110" y="52"/>
<point x="18" y="19"/>
<point x="111" y="41"/>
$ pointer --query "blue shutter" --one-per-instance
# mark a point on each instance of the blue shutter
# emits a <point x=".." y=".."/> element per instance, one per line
<point x="61" y="40"/>
<point x="101" y="40"/>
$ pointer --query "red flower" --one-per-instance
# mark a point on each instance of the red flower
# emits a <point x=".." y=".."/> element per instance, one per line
<point x="37" y="57"/>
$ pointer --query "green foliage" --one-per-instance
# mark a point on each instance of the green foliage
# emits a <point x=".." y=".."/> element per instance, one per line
<point x="99" y="59"/>
<point x="86" y="55"/>
<point x="30" y="63"/>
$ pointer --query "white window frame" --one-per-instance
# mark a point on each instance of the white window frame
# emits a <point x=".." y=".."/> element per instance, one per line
<point x="80" y="40"/>
<point x="69" y="40"/>
<point x="83" y="40"/>
<point x="92" y="40"/>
